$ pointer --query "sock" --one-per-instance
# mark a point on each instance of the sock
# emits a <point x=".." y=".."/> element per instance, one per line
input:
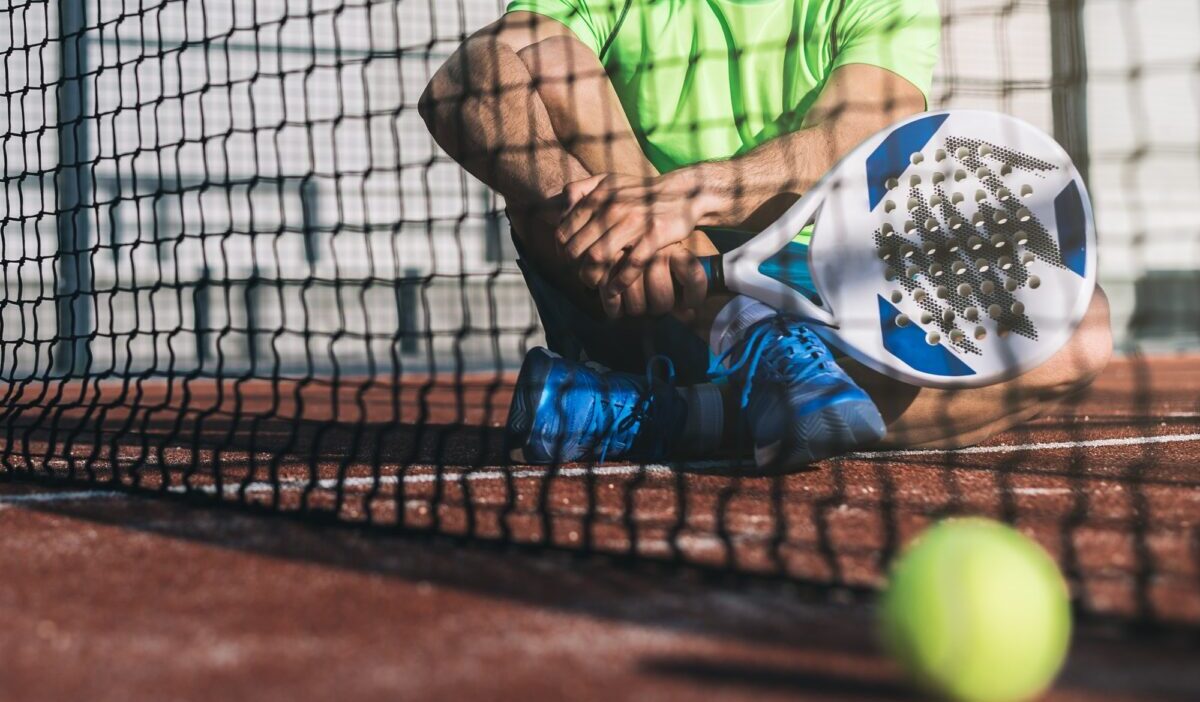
<point x="703" y="430"/>
<point x="733" y="320"/>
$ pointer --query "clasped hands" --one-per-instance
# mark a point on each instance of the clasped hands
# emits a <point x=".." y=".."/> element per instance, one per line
<point x="627" y="237"/>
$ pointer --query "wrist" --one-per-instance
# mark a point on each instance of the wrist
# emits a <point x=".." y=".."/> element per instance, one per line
<point x="703" y="187"/>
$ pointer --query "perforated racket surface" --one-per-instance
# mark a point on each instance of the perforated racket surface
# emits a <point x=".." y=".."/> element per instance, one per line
<point x="952" y="249"/>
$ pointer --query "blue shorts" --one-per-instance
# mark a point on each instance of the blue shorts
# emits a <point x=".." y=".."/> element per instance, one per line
<point x="622" y="344"/>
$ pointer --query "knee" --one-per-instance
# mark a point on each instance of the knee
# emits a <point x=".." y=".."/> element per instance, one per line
<point x="1088" y="352"/>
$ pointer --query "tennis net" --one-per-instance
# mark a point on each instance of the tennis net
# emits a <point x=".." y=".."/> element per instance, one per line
<point x="238" y="269"/>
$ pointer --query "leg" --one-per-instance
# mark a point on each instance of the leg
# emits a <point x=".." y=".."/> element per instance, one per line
<point x="786" y="391"/>
<point x="588" y="122"/>
<point x="932" y="418"/>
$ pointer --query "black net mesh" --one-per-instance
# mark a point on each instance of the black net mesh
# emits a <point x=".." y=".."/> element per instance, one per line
<point x="238" y="269"/>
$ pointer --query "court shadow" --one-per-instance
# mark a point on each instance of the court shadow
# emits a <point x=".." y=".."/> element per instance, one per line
<point x="767" y="678"/>
<point x="672" y="596"/>
<point x="723" y="604"/>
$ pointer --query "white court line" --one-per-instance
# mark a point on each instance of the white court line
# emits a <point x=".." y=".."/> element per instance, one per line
<point x="452" y="476"/>
<point x="457" y="476"/>
<point x="657" y="469"/>
<point x="1043" y="492"/>
<point x="50" y="497"/>
<point x="1048" y="446"/>
<point x="666" y="471"/>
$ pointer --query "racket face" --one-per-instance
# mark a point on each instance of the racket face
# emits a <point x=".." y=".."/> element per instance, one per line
<point x="955" y="249"/>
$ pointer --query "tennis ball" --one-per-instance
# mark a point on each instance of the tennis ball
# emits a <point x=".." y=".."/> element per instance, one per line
<point x="976" y="612"/>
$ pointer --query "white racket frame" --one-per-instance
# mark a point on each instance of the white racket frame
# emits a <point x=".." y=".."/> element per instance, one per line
<point x="847" y="274"/>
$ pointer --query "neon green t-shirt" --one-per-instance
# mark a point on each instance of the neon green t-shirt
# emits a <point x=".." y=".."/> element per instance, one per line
<point x="710" y="79"/>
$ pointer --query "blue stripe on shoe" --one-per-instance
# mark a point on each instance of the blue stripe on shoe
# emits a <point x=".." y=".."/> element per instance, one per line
<point x="797" y="403"/>
<point x="567" y="411"/>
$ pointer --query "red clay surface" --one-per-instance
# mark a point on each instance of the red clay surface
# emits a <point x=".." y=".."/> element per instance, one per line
<point x="110" y="596"/>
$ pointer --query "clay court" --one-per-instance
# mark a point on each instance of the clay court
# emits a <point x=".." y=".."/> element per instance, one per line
<point x="143" y="569"/>
<point x="262" y="309"/>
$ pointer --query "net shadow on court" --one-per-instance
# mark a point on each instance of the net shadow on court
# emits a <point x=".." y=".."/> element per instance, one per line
<point x="1106" y="483"/>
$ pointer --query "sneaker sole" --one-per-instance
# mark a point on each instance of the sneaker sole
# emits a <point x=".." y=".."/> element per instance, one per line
<point x="830" y="431"/>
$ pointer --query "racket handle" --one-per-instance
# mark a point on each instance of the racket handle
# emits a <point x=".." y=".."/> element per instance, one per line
<point x="794" y="302"/>
<point x="714" y="271"/>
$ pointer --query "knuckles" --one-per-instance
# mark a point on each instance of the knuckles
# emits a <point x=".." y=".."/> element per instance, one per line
<point x="596" y="257"/>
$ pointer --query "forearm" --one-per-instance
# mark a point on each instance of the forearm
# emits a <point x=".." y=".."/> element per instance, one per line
<point x="483" y="109"/>
<point x="583" y="107"/>
<point x="753" y="189"/>
<point x="743" y="191"/>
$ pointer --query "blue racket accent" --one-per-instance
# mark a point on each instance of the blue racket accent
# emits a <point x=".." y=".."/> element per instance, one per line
<point x="908" y="344"/>
<point x="890" y="159"/>
<point x="1072" y="229"/>
<point x="790" y="267"/>
<point x="712" y="273"/>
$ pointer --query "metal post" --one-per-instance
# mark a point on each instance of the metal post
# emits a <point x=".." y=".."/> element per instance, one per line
<point x="406" y="310"/>
<point x="309" y="196"/>
<point x="493" y="251"/>
<point x="201" y="318"/>
<point x="162" y="227"/>
<point x="1070" y="77"/>
<point x="73" y="181"/>
<point x="252" y="299"/>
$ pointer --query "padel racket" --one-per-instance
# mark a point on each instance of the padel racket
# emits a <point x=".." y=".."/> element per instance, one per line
<point x="952" y="249"/>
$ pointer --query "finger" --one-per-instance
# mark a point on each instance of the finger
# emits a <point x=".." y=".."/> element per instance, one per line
<point x="574" y="192"/>
<point x="690" y="278"/>
<point x="659" y="286"/>
<point x="610" y="249"/>
<point x="611" y="304"/>
<point x="633" y="265"/>
<point x="587" y="235"/>
<point x="594" y="274"/>
<point x="580" y="213"/>
<point x="634" y="299"/>
<point x="596" y="263"/>
<point x="609" y="195"/>
<point x="603" y="211"/>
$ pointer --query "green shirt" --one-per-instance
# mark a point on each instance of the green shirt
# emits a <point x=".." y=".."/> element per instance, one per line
<point x="710" y="79"/>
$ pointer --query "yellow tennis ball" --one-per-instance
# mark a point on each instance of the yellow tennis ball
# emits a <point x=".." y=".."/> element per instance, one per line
<point x="976" y="612"/>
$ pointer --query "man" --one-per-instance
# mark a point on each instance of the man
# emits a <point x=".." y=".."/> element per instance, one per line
<point x="629" y="137"/>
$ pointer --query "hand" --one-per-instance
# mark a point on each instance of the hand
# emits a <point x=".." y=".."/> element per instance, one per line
<point x="617" y="224"/>
<point x="672" y="281"/>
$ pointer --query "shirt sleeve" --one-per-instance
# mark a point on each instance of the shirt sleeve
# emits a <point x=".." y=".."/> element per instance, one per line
<point x="902" y="36"/>
<point x="591" y="20"/>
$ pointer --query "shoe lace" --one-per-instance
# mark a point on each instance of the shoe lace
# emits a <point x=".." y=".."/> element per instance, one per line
<point x="791" y="357"/>
<point x="620" y="418"/>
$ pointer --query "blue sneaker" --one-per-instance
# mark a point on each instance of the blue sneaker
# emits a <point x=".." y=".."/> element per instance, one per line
<point x="564" y="411"/>
<point x="798" y="404"/>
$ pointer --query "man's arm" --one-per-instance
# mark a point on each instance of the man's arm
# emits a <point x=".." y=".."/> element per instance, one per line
<point x="618" y="223"/>
<point x="857" y="102"/>
<point x="527" y="108"/>
<point x="482" y="107"/>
